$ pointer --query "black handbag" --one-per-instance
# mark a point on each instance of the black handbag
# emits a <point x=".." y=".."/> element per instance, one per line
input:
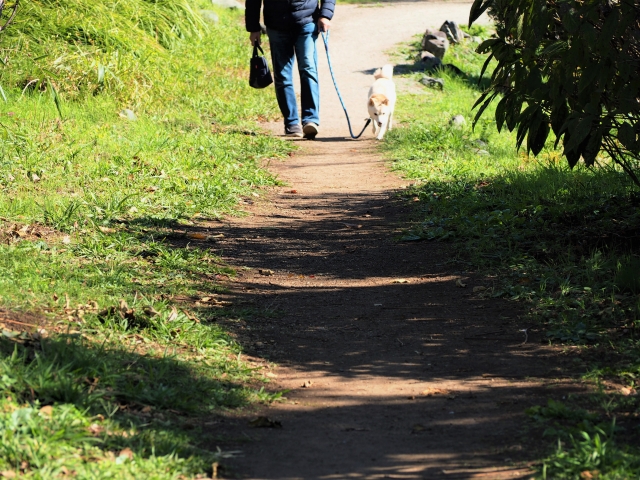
<point x="260" y="75"/>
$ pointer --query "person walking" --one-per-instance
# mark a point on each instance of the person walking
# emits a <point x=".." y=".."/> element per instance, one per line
<point x="292" y="28"/>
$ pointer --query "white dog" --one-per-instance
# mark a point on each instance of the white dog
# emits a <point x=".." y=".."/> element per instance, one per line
<point x="382" y="100"/>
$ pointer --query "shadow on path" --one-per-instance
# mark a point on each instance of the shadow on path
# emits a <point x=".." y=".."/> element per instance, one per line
<point x="405" y="374"/>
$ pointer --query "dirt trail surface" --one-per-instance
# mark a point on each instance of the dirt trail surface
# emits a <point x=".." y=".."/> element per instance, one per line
<point x="393" y="370"/>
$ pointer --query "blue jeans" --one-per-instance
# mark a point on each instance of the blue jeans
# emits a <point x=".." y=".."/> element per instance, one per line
<point x="300" y="42"/>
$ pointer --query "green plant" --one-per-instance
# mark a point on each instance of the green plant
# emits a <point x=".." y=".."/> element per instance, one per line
<point x="98" y="209"/>
<point x="570" y="67"/>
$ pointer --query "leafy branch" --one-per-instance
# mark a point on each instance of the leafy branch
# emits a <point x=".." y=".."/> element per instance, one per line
<point x="571" y="67"/>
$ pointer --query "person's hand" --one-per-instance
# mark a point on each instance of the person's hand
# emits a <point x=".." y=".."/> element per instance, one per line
<point x="324" y="24"/>
<point x="255" y="36"/>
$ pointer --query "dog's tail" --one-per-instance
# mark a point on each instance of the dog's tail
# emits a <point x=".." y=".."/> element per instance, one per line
<point x="384" y="72"/>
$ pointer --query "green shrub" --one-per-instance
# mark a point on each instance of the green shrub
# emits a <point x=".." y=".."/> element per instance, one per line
<point x="568" y="66"/>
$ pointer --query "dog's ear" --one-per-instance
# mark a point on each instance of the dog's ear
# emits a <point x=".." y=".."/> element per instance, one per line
<point x="372" y="102"/>
<point x="385" y="101"/>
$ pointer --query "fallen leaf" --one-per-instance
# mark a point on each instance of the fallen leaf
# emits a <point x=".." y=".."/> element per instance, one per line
<point x="126" y="452"/>
<point x="47" y="410"/>
<point x="265" y="271"/>
<point x="124" y="311"/>
<point x="416" y="199"/>
<point x="150" y="311"/>
<point x="271" y="375"/>
<point x="627" y="391"/>
<point x="22" y="232"/>
<point x="96" y="429"/>
<point x="265" y="422"/>
<point x="8" y="474"/>
<point x="460" y="284"/>
<point x="400" y="280"/>
<point x="479" y="289"/>
<point x="107" y="230"/>
<point x="173" y="315"/>
<point x="39" y="334"/>
<point x="307" y="384"/>
<point x="217" y="235"/>
<point x="291" y="191"/>
<point x="197" y="236"/>
<point x="66" y="239"/>
<point x="35" y="177"/>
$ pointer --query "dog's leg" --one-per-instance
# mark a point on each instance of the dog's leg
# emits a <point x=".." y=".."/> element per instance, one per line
<point x="390" y="122"/>
<point x="383" y="129"/>
<point x="373" y="126"/>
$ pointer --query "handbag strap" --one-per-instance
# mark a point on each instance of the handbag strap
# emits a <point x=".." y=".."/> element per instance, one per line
<point x="257" y="47"/>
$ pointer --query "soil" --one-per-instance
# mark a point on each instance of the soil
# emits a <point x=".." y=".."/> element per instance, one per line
<point x="393" y="369"/>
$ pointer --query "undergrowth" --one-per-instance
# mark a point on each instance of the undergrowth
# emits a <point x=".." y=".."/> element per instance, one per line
<point x="563" y="241"/>
<point x="124" y="128"/>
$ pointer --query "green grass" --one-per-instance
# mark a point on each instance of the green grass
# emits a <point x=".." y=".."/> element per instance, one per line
<point x="564" y="242"/>
<point x="124" y="128"/>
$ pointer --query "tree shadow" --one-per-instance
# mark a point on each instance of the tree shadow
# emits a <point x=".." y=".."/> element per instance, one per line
<point x="338" y="296"/>
<point x="155" y="404"/>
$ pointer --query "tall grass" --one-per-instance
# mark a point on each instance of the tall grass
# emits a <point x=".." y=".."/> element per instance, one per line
<point x="125" y="127"/>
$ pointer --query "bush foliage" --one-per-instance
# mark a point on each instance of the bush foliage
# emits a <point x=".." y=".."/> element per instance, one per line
<point x="571" y="67"/>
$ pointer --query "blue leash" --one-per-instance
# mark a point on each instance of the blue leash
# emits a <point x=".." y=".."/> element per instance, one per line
<point x="325" y="38"/>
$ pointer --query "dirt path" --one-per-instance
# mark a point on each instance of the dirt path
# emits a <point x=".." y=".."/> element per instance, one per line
<point x="405" y="375"/>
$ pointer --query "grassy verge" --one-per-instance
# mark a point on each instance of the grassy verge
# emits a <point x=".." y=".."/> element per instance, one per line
<point x="124" y="127"/>
<point x="564" y="242"/>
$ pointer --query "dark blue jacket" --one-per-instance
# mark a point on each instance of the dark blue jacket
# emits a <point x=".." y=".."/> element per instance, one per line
<point x="286" y="14"/>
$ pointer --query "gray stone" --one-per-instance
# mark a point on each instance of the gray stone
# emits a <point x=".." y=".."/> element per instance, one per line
<point x="430" y="61"/>
<point x="479" y="143"/>
<point x="437" y="46"/>
<point x="232" y="4"/>
<point x="458" y="121"/>
<point x="209" y="16"/>
<point x="453" y="32"/>
<point x="431" y="34"/>
<point x="476" y="39"/>
<point x="432" y="82"/>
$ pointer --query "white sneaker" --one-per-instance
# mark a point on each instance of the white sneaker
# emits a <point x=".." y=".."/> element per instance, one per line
<point x="310" y="130"/>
